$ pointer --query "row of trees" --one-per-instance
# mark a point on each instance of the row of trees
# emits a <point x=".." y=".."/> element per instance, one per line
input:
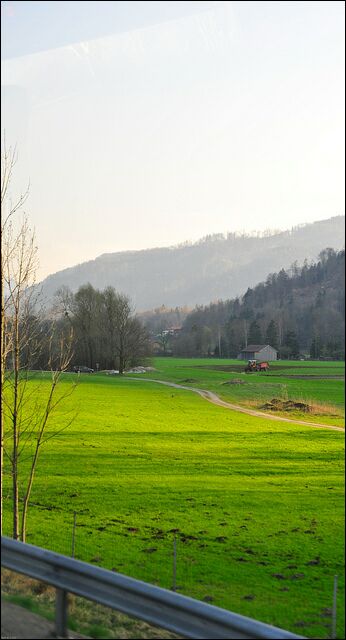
<point x="106" y="333"/>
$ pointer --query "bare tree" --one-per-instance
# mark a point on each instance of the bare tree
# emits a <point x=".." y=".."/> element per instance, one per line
<point x="38" y="433"/>
<point x="85" y="307"/>
<point x="9" y="244"/>
<point x="163" y="339"/>
<point x="105" y="328"/>
<point x="24" y="421"/>
<point x="19" y="270"/>
<point x="129" y="338"/>
<point x="109" y="309"/>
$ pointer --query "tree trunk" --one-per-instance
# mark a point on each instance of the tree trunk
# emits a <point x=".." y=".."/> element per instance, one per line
<point x="15" y="500"/>
<point x="3" y="364"/>
<point x="1" y="462"/>
<point x="35" y="458"/>
<point x="15" y="532"/>
<point x="245" y="332"/>
<point x="15" y="436"/>
<point x="121" y="356"/>
<point x="27" y="496"/>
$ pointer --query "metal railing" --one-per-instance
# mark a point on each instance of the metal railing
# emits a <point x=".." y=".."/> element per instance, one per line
<point x="180" y="614"/>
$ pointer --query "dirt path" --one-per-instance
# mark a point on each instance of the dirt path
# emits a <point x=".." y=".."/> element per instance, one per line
<point x="212" y="397"/>
<point x="17" y="622"/>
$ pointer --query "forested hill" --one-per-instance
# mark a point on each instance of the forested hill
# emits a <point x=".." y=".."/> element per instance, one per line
<point x="214" y="268"/>
<point x="302" y="310"/>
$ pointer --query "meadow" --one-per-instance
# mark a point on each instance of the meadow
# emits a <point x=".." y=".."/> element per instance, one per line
<point x="320" y="385"/>
<point x="255" y="506"/>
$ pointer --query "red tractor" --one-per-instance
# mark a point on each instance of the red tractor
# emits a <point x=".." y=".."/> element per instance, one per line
<point x="253" y="366"/>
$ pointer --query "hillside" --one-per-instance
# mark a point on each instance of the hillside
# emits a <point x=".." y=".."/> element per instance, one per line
<point x="302" y="310"/>
<point x="214" y="268"/>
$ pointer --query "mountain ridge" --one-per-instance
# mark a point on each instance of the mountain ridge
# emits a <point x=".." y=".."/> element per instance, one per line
<point x="214" y="267"/>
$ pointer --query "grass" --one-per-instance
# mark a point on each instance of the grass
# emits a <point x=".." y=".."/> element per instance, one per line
<point x="257" y="506"/>
<point x="313" y="383"/>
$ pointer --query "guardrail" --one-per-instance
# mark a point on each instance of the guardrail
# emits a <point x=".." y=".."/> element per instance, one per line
<point x="180" y="614"/>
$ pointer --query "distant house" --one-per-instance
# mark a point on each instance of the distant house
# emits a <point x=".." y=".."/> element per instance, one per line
<point x="262" y="352"/>
<point x="172" y="331"/>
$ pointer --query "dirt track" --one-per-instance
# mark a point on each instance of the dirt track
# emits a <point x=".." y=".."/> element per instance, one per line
<point x="212" y="397"/>
<point x="17" y="622"/>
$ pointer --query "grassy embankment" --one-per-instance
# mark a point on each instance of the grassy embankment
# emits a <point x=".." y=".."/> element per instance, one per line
<point x="257" y="505"/>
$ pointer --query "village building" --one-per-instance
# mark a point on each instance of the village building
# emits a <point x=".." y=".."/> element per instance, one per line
<point x="262" y="352"/>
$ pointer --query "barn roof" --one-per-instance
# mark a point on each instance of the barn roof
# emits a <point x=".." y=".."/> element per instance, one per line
<point x="256" y="347"/>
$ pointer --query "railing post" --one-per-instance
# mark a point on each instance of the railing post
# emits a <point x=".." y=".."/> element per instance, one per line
<point x="61" y="613"/>
<point x="74" y="534"/>
<point x="335" y="591"/>
<point x="174" y="585"/>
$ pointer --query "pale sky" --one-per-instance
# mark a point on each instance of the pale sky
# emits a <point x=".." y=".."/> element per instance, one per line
<point x="228" y="116"/>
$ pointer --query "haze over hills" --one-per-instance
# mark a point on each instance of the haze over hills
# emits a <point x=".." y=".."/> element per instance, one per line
<point x="216" y="267"/>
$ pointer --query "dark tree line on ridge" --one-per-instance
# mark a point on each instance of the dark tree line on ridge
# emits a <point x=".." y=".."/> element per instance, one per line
<point x="300" y="311"/>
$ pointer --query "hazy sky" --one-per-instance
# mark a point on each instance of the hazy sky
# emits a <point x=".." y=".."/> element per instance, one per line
<point x="165" y="124"/>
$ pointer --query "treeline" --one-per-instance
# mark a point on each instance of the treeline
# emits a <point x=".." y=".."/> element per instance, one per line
<point x="100" y="327"/>
<point x="105" y="332"/>
<point x="300" y="311"/>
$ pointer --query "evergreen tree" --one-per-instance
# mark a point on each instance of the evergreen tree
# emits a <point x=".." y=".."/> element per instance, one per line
<point x="255" y="334"/>
<point x="320" y="298"/>
<point x="334" y="350"/>
<point x="233" y="346"/>
<point x="316" y="347"/>
<point x="292" y="344"/>
<point x="221" y="349"/>
<point x="272" y="334"/>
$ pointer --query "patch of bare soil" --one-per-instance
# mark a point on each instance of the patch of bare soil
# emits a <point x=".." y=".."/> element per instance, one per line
<point x="17" y="622"/>
<point x="275" y="404"/>
<point x="277" y="371"/>
<point x="231" y="368"/>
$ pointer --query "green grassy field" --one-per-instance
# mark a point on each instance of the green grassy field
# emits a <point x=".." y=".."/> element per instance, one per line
<point x="256" y="505"/>
<point x="319" y="384"/>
